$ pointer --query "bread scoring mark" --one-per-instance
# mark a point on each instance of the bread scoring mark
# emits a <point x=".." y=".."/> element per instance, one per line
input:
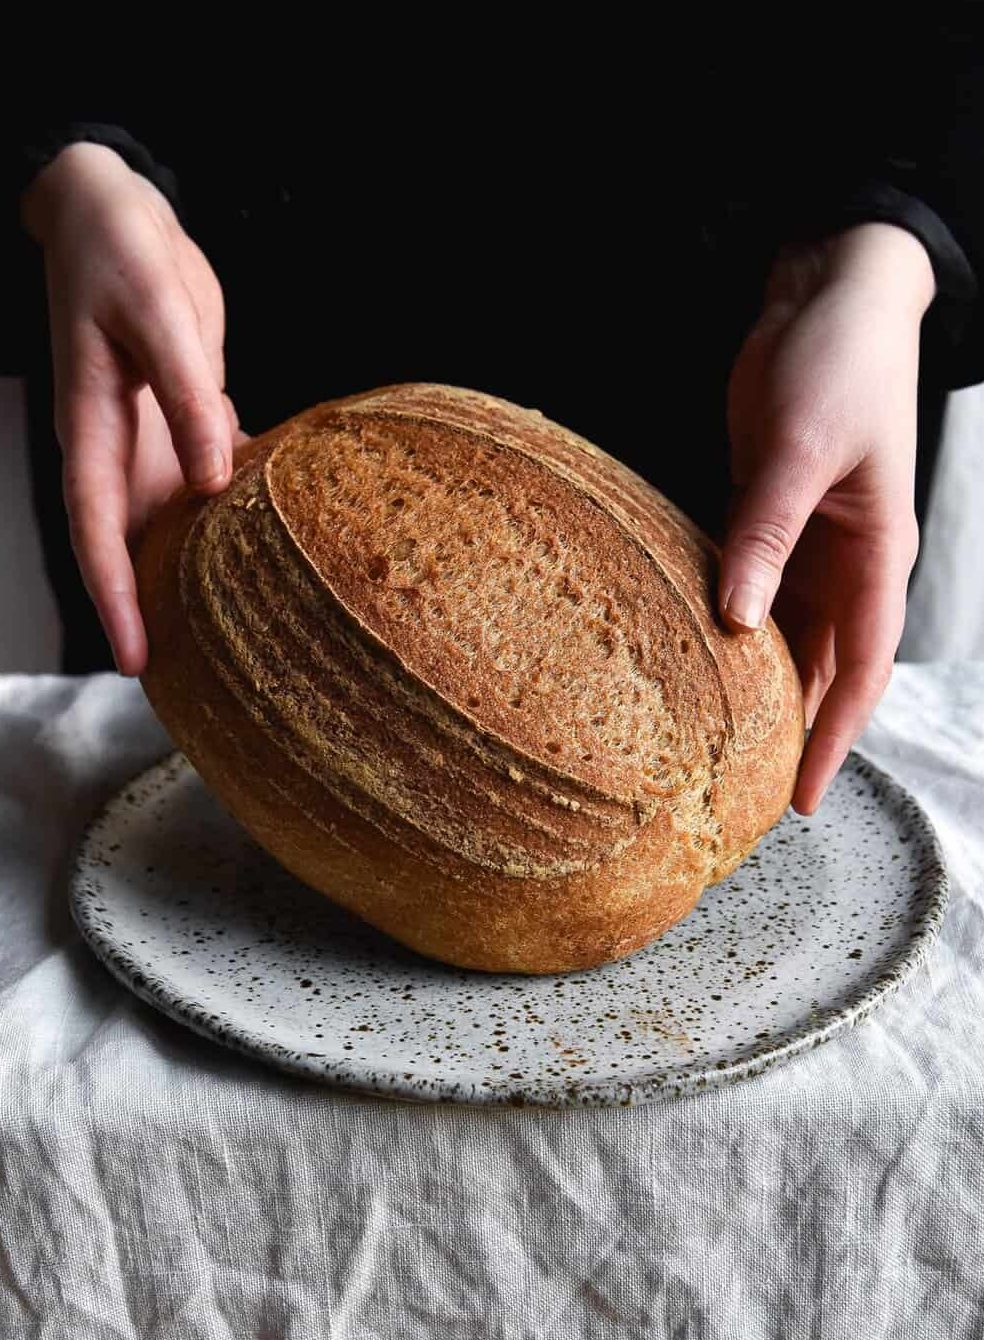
<point x="748" y="680"/>
<point x="422" y="761"/>
<point x="684" y="555"/>
<point x="498" y="584"/>
<point x="645" y="523"/>
<point x="657" y="758"/>
<point x="338" y="706"/>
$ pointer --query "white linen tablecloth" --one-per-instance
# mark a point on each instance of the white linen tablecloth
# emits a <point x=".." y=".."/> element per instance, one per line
<point x="153" y="1185"/>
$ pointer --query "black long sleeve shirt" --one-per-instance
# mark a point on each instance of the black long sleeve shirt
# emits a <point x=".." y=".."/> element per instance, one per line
<point x="592" y="243"/>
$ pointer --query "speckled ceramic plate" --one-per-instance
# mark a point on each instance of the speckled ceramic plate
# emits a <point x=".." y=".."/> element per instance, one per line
<point x="823" y="921"/>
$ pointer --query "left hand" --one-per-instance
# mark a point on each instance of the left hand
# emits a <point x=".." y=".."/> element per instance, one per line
<point x="137" y="331"/>
<point x="822" y="420"/>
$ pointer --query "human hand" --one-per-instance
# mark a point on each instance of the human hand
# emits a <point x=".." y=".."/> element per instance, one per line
<point x="137" y="329"/>
<point x="822" y="420"/>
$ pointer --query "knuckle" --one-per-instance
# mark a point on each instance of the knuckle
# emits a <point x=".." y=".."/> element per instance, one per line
<point x="767" y="543"/>
<point x="188" y="410"/>
<point x="870" y="676"/>
<point x="802" y="439"/>
<point x="837" y="740"/>
<point x="89" y="524"/>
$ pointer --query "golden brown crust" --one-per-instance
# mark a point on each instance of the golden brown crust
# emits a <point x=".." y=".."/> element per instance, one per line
<point x="459" y="669"/>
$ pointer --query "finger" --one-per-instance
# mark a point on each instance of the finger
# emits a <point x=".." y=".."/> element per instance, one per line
<point x="206" y="296"/>
<point x="817" y="669"/>
<point x="238" y="436"/>
<point x="768" y="519"/>
<point x="96" y="432"/>
<point x="231" y="416"/>
<point x="865" y="643"/>
<point x="164" y="339"/>
<point x="812" y="647"/>
<point x="807" y="627"/>
<point x="216" y="357"/>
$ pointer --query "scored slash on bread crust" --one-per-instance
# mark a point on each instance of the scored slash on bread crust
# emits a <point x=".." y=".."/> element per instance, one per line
<point x="459" y="669"/>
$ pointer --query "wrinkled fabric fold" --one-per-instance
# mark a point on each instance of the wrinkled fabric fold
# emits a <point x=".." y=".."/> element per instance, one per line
<point x="154" y="1185"/>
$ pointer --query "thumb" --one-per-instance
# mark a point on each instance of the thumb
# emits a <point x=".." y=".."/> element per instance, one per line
<point x="767" y="519"/>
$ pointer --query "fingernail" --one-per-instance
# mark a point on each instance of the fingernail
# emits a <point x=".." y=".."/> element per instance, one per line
<point x="208" y="467"/>
<point x="746" y="605"/>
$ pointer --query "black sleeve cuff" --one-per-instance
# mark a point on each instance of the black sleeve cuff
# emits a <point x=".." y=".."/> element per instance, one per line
<point x="38" y="155"/>
<point x="953" y="327"/>
<point x="956" y="284"/>
<point x="24" y="151"/>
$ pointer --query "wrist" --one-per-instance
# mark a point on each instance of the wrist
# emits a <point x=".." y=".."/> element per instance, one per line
<point x="77" y="173"/>
<point x="887" y="263"/>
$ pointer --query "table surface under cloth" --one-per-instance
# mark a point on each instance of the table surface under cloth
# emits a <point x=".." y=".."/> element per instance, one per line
<point x="154" y="1185"/>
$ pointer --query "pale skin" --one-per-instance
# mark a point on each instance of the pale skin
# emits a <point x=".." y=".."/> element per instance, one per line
<point x="822" y="419"/>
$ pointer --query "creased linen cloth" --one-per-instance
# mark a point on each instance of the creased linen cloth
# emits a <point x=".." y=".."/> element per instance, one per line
<point x="154" y="1185"/>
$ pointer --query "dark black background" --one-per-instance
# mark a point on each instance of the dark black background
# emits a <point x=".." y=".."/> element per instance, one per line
<point x="587" y="236"/>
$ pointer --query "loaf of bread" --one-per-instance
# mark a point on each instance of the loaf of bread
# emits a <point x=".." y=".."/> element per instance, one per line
<point x="459" y="669"/>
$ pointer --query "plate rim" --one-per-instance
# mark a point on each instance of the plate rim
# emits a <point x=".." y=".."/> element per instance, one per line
<point x="554" y="1095"/>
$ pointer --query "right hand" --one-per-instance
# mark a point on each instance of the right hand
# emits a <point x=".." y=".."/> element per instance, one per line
<point x="822" y="417"/>
<point x="137" y="329"/>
